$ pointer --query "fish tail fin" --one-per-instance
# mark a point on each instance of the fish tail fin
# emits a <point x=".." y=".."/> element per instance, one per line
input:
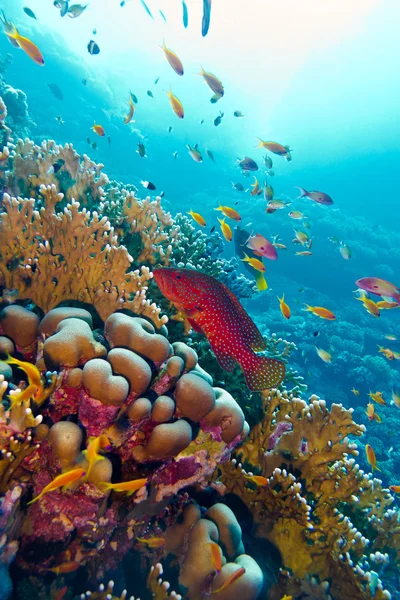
<point x="261" y="144"/>
<point x="303" y="192"/>
<point x="262" y="372"/>
<point x="378" y="469"/>
<point x="261" y="282"/>
<point x="104" y="485"/>
<point x="202" y="72"/>
<point x="219" y="207"/>
<point x="281" y="299"/>
<point x="307" y="308"/>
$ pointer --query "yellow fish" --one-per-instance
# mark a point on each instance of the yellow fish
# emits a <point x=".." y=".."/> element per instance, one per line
<point x="213" y="82"/>
<point x="91" y="453"/>
<point x="396" y="397"/>
<point x="226" y="230"/>
<point x="129" y="116"/>
<point x="384" y="304"/>
<point x="377" y="397"/>
<point x="323" y="354"/>
<point x="285" y="310"/>
<point x="231" y="579"/>
<point x="20" y="41"/>
<point x="371" y="458"/>
<point x="387" y="352"/>
<point x="34" y="389"/>
<point x="256" y="187"/>
<point x="152" y="542"/>
<point x="173" y="59"/>
<point x="254" y="262"/>
<point x="98" y="129"/>
<point x="229" y="212"/>
<point x="395" y="488"/>
<point x="355" y="392"/>
<point x="198" y="218"/>
<point x="124" y="486"/>
<point x="320" y="311"/>
<point x="370" y="306"/>
<point x="257" y="479"/>
<point x="175" y="104"/>
<point x="60" y="481"/>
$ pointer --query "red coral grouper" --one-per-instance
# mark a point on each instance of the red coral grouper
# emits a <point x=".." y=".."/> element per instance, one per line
<point x="211" y="308"/>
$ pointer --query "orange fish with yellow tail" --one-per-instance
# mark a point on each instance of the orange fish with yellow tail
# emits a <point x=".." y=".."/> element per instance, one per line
<point x="61" y="480"/>
<point x="371" y="458"/>
<point x="211" y="308"/>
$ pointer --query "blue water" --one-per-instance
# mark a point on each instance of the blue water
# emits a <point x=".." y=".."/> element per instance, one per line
<point x="320" y="77"/>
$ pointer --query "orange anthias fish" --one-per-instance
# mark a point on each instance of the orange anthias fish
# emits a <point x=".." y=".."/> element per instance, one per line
<point x="276" y="148"/>
<point x="384" y="305"/>
<point x="377" y="397"/>
<point x="19" y="41"/>
<point x="175" y="104"/>
<point x="60" y="481"/>
<point x="231" y="579"/>
<point x="226" y="230"/>
<point x="91" y="453"/>
<point x="355" y="392"/>
<point x="229" y="212"/>
<point x="98" y="129"/>
<point x="64" y="568"/>
<point x="369" y="305"/>
<point x="34" y="389"/>
<point x="211" y="308"/>
<point x="213" y="82"/>
<point x="254" y="262"/>
<point x="321" y="312"/>
<point x="371" y="458"/>
<point x="371" y="414"/>
<point x="285" y="310"/>
<point x="198" y="218"/>
<point x="173" y="59"/>
<point x="258" y="480"/>
<point x="216" y="556"/>
<point x="387" y="352"/>
<point x="152" y="542"/>
<point x="124" y="486"/>
<point x="395" y="488"/>
<point x="129" y="116"/>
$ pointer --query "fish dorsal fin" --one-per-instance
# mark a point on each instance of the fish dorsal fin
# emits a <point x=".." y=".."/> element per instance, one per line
<point x="250" y="332"/>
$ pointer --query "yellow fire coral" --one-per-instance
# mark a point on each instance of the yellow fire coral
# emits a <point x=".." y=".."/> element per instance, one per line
<point x="155" y="226"/>
<point x="308" y="479"/>
<point x="51" y="257"/>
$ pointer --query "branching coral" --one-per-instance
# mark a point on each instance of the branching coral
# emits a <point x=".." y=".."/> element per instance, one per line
<point x="313" y="493"/>
<point x="51" y="257"/>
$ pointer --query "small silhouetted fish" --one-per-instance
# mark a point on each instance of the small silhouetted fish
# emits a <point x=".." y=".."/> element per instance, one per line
<point x="162" y="14"/>
<point x="238" y="186"/>
<point x="88" y="140"/>
<point x="148" y="185"/>
<point x="57" y="165"/>
<point x="169" y="129"/>
<point x="162" y="194"/>
<point x="217" y="120"/>
<point x="109" y="139"/>
<point x="157" y="80"/>
<point x="146" y="8"/>
<point x="134" y="97"/>
<point x="94" y="145"/>
<point x="175" y="154"/>
<point x="94" y="31"/>
<point x="214" y="99"/>
<point x="236" y="202"/>
<point x="122" y="3"/>
<point x="248" y="164"/>
<point x="55" y="90"/>
<point x="210" y="155"/>
<point x="93" y="47"/>
<point x="201" y="122"/>
<point x="316" y="333"/>
<point x="141" y="150"/>
<point x="84" y="81"/>
<point x="212" y="229"/>
<point x="185" y="15"/>
<point x="205" y="24"/>
<point x="29" y="12"/>
<point x="238" y="113"/>
<point x="150" y="93"/>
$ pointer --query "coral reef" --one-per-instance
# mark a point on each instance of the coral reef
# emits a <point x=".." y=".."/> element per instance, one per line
<point x="310" y="495"/>
<point x="166" y="428"/>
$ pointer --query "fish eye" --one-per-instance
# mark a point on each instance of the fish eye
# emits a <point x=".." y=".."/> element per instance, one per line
<point x="178" y="276"/>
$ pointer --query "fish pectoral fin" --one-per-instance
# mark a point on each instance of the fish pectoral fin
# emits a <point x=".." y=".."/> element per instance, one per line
<point x="194" y="325"/>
